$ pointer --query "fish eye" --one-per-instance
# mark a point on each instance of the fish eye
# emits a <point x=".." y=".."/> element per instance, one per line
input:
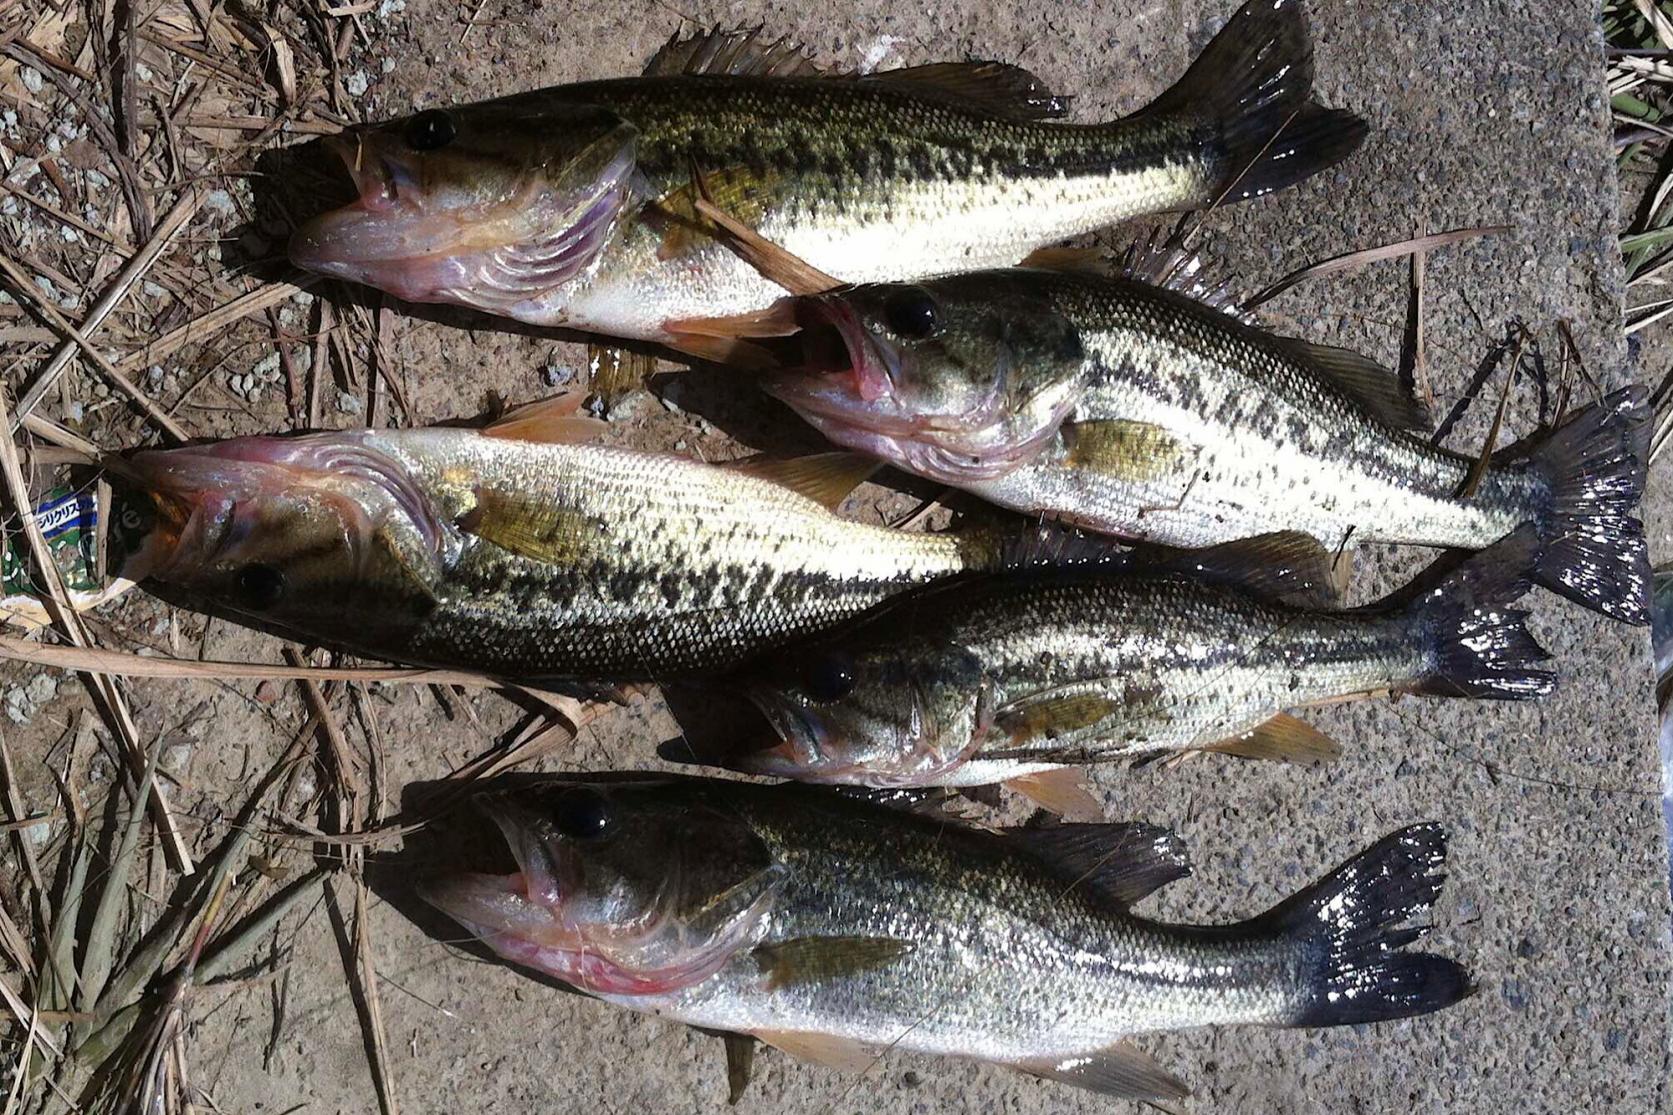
<point x="910" y="314"/>
<point x="259" y="587"/>
<point x="429" y="130"/>
<point x="583" y="814"/>
<point x="832" y="676"/>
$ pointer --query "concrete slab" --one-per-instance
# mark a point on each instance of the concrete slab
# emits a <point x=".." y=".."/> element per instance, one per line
<point x="1483" y="113"/>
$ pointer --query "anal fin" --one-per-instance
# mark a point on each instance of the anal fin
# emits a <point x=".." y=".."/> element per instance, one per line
<point x="1285" y="738"/>
<point x="1122" y="1070"/>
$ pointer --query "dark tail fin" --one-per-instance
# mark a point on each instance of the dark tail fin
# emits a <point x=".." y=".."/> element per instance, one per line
<point x="1593" y="468"/>
<point x="1477" y="646"/>
<point x="1345" y="927"/>
<point x="1253" y="87"/>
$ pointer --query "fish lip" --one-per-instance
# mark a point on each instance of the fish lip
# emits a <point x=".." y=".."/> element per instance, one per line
<point x="803" y="741"/>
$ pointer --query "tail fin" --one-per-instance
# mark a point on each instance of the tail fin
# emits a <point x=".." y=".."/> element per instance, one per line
<point x="1253" y="87"/>
<point x="1593" y="468"/>
<point x="1344" y="926"/>
<point x="1476" y="646"/>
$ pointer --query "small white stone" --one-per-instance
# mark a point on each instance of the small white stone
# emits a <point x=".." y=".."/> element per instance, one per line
<point x="70" y="235"/>
<point x="142" y="71"/>
<point x="153" y="290"/>
<point x="347" y="403"/>
<point x="32" y="79"/>
<point x="355" y="84"/>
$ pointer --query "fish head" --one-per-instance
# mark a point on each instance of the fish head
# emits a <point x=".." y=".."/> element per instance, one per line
<point x="871" y="714"/>
<point x="628" y="888"/>
<point x="323" y="535"/>
<point x="957" y="379"/>
<point x="491" y="206"/>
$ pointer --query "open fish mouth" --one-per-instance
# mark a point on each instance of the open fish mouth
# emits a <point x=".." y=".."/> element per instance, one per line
<point x="841" y="371"/>
<point x="803" y="743"/>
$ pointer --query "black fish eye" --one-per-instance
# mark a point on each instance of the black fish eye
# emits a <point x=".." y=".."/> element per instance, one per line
<point x="259" y="587"/>
<point x="429" y="130"/>
<point x="831" y="677"/>
<point x="910" y="314"/>
<point x="582" y="814"/>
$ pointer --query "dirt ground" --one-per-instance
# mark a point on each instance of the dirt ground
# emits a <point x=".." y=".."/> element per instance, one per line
<point x="1482" y="113"/>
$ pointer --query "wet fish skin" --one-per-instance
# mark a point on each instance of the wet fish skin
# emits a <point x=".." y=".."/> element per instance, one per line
<point x="573" y="205"/>
<point x="976" y="684"/>
<point x="452" y="547"/>
<point x="1191" y="428"/>
<point x="1000" y="946"/>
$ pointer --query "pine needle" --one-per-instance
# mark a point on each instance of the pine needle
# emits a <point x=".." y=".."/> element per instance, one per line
<point x="1364" y="257"/>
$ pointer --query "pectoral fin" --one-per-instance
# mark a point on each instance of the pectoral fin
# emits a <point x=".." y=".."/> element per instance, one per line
<point x="809" y="960"/>
<point x="1122" y="1070"/>
<point x="1284" y="738"/>
<point x="528" y="527"/>
<point x="1044" y="718"/>
<point x="842" y="1054"/>
<point x="1136" y="452"/>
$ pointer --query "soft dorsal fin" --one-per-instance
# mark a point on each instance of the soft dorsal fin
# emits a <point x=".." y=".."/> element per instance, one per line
<point x="745" y="52"/>
<point x="1062" y="791"/>
<point x="825" y="478"/>
<point x="551" y="421"/>
<point x="813" y="960"/>
<point x="995" y="87"/>
<point x="1121" y="1070"/>
<point x="1289" y="566"/>
<point x="842" y="1054"/>
<point x="1120" y="862"/>
<point x="1367" y="382"/>
<point x="1285" y="738"/>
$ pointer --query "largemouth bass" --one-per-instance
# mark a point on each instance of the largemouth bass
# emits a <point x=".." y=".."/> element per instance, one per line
<point x="1132" y="409"/>
<point x="1009" y="677"/>
<point x="827" y="926"/>
<point x="523" y="558"/>
<point x="576" y="205"/>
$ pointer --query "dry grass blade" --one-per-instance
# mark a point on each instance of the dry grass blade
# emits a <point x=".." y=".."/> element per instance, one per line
<point x="218" y="957"/>
<point x="100" y="951"/>
<point x="200" y="328"/>
<point x="1367" y="256"/>
<point x="20" y="278"/>
<point x="26" y="1018"/>
<point x="122" y="664"/>
<point x="135" y="270"/>
<point x="368" y="981"/>
<point x="1478" y="469"/>
<point x="105" y="694"/>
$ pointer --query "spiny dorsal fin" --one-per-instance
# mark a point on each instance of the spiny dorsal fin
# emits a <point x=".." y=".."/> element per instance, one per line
<point x="742" y="52"/>
<point x="1284" y="738"/>
<point x="1288" y="566"/>
<point x="825" y="478"/>
<point x="1062" y="791"/>
<point x="550" y="421"/>
<point x="842" y="1054"/>
<point x="811" y="960"/>
<point x="613" y="371"/>
<point x="1121" y="1070"/>
<point x="1367" y="382"/>
<point x="1120" y="862"/>
<point x="1158" y="261"/>
<point x="995" y="87"/>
